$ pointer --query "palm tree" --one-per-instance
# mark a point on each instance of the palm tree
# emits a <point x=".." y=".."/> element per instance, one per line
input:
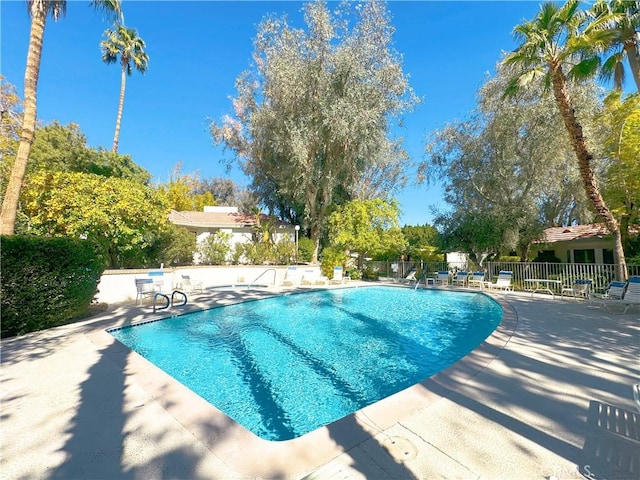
<point x="552" y="47"/>
<point x="39" y="10"/>
<point x="124" y="43"/>
<point x="623" y="27"/>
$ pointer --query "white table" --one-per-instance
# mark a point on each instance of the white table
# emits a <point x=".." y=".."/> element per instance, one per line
<point x="543" y="285"/>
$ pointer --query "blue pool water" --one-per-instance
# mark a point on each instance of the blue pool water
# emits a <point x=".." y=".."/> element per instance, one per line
<point x="284" y="366"/>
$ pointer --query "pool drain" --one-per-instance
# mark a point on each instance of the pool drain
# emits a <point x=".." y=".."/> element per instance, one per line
<point x="400" y="448"/>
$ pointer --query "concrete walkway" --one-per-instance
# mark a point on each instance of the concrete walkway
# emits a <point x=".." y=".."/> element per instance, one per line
<point x="547" y="396"/>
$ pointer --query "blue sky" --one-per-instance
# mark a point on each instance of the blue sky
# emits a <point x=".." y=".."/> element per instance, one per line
<point x="197" y="50"/>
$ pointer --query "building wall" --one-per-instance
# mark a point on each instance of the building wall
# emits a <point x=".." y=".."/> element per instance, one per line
<point x="565" y="251"/>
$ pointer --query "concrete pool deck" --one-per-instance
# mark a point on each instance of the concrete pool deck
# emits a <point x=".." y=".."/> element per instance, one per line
<point x="547" y="395"/>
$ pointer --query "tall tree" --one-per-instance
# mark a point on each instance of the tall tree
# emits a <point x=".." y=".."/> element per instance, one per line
<point x="315" y="113"/>
<point x="552" y="46"/>
<point x="124" y="44"/>
<point x="39" y="10"/>
<point x="508" y="163"/>
<point x="623" y="25"/>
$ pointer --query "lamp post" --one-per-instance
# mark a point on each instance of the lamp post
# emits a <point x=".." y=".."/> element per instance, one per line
<point x="297" y="228"/>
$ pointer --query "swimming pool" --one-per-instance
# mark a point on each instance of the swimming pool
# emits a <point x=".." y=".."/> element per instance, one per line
<point x="286" y="365"/>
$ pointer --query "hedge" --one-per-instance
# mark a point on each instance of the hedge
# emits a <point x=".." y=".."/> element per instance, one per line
<point x="46" y="282"/>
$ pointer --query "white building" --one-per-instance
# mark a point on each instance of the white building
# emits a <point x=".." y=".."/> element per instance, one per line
<point x="238" y="225"/>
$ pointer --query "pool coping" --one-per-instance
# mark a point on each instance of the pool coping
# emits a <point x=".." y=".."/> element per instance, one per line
<point x="245" y="452"/>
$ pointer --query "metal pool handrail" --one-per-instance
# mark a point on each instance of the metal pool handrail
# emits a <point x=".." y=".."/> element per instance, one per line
<point x="260" y="276"/>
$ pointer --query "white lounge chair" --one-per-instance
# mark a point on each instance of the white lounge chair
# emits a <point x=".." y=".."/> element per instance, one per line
<point x="461" y="278"/>
<point x="442" y="278"/>
<point x="312" y="276"/>
<point x="620" y="293"/>
<point x="410" y="278"/>
<point x="503" y="282"/>
<point x="476" y="280"/>
<point x="581" y="288"/>
<point x="291" y="277"/>
<point x="338" y="275"/>
<point x="190" y="285"/>
<point x="144" y="289"/>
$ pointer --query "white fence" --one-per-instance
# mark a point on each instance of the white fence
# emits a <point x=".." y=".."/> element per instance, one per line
<point x="600" y="274"/>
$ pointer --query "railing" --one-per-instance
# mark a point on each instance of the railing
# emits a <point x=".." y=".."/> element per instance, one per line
<point x="260" y="276"/>
<point x="600" y="274"/>
<point x="168" y="302"/>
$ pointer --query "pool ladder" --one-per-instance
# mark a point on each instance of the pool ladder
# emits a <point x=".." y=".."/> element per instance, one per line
<point x="260" y="276"/>
<point x="168" y="302"/>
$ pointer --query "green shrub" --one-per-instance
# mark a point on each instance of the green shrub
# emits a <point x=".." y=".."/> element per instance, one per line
<point x="215" y="248"/>
<point x="46" y="282"/>
<point x="306" y="246"/>
<point x="331" y="257"/>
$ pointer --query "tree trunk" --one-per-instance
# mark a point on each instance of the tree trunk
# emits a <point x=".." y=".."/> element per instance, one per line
<point x="116" y="135"/>
<point x="631" y="49"/>
<point x="28" y="129"/>
<point x="585" y="157"/>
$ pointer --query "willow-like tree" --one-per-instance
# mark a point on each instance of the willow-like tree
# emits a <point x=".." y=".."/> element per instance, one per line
<point x="125" y="45"/>
<point x="552" y="46"/>
<point x="313" y="115"/>
<point x="511" y="163"/>
<point x="39" y="10"/>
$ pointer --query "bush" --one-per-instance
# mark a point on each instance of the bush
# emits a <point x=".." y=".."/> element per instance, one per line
<point x="215" y="249"/>
<point x="46" y="282"/>
<point x="331" y="257"/>
<point x="306" y="246"/>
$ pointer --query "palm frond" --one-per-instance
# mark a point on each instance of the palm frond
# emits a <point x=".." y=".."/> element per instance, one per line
<point x="586" y="68"/>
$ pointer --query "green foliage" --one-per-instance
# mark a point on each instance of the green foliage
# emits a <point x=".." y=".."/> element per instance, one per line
<point x="283" y="251"/>
<point x="173" y="246"/>
<point x="215" y="249"/>
<point x="122" y="216"/>
<point x="46" y="281"/>
<point x="63" y="148"/>
<point x="370" y="273"/>
<point x="311" y="123"/>
<point x="332" y="257"/>
<point x="622" y="178"/>
<point x="305" y="249"/>
<point x="183" y="192"/>
<point x="368" y="227"/>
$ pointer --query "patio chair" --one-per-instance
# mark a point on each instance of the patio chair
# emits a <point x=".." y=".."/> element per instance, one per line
<point x="614" y="291"/>
<point x="442" y="278"/>
<point x="581" y="288"/>
<point x="503" y="282"/>
<point x="144" y="289"/>
<point x="620" y="293"/>
<point x="476" y="280"/>
<point x="191" y="286"/>
<point x="461" y="278"/>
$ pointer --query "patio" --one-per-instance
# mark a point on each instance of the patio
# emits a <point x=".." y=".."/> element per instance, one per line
<point x="528" y="403"/>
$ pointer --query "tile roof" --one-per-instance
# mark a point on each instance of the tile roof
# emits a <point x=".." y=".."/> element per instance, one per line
<point x="578" y="232"/>
<point x="212" y="219"/>
<point x="215" y="219"/>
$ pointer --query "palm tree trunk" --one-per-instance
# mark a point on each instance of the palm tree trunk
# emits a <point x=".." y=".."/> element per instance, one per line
<point x="27" y="132"/>
<point x="123" y="83"/>
<point x="631" y="49"/>
<point x="585" y="157"/>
